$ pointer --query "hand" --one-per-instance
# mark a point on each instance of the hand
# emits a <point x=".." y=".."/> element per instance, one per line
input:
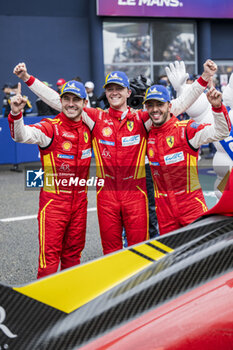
<point x="210" y="68"/>
<point x="177" y="74"/>
<point x="214" y="97"/>
<point x="18" y="102"/>
<point x="21" y="71"/>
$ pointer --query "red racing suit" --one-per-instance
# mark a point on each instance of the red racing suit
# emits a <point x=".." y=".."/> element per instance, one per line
<point x="120" y="147"/>
<point x="173" y="155"/>
<point x="65" y="150"/>
<point x="119" y="142"/>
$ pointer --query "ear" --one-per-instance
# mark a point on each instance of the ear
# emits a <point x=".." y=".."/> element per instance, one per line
<point x="85" y="103"/>
<point x="129" y="93"/>
<point x="169" y="106"/>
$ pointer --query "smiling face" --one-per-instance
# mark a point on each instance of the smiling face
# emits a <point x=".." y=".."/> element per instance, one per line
<point x="159" y="112"/>
<point x="72" y="106"/>
<point x="117" y="96"/>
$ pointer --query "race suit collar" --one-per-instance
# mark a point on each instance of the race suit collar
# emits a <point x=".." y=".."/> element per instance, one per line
<point x="165" y="126"/>
<point x="69" y="121"/>
<point x="118" y="114"/>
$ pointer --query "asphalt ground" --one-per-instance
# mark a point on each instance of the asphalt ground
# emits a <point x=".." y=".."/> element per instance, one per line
<point x="18" y="231"/>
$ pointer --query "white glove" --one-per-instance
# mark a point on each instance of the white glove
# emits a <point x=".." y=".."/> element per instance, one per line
<point x="227" y="94"/>
<point x="177" y="75"/>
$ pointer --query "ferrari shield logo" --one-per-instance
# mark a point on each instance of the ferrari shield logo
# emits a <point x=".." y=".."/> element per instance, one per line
<point x="130" y="125"/>
<point x="170" y="141"/>
<point x="85" y="134"/>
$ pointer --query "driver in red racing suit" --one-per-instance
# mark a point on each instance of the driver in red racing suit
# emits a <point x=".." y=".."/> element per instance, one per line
<point x="65" y="149"/>
<point x="119" y="140"/>
<point x="172" y="150"/>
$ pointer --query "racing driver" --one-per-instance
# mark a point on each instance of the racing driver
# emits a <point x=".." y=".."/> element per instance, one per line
<point x="65" y="149"/>
<point x="119" y="138"/>
<point x="172" y="150"/>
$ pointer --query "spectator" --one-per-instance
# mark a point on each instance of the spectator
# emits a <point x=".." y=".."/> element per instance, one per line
<point x="78" y="78"/>
<point x="10" y="91"/>
<point x="60" y="83"/>
<point x="28" y="107"/>
<point x="93" y="100"/>
<point x="7" y="90"/>
<point x="163" y="80"/>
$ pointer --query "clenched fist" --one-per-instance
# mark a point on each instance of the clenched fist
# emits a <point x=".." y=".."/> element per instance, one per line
<point x="21" y="71"/>
<point x="210" y="68"/>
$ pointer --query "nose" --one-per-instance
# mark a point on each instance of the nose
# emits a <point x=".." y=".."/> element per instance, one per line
<point x="114" y="92"/>
<point x="71" y="103"/>
<point x="155" y="108"/>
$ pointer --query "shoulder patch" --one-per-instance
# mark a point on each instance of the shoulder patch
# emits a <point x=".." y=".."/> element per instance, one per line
<point x="194" y="125"/>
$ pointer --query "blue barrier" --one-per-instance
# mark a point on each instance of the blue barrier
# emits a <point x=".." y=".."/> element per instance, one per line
<point x="7" y="145"/>
<point x="12" y="152"/>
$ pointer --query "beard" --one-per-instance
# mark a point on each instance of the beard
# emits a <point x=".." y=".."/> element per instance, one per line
<point x="163" y="120"/>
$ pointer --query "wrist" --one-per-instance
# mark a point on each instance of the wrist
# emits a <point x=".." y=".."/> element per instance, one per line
<point x="15" y="115"/>
<point x="202" y="81"/>
<point x="30" y="80"/>
<point x="25" y="77"/>
<point x="15" y="112"/>
<point x="217" y="108"/>
<point x="205" y="76"/>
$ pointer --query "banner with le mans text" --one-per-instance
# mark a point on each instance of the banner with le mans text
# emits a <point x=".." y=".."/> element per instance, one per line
<point x="166" y="8"/>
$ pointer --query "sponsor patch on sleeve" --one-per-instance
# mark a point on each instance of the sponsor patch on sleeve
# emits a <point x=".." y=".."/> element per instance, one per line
<point x="194" y="125"/>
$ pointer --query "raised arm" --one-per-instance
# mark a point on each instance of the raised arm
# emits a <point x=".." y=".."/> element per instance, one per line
<point x="45" y="93"/>
<point x="34" y="134"/>
<point x="191" y="94"/>
<point x="219" y="130"/>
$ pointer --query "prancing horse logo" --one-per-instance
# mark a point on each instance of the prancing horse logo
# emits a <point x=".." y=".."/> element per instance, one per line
<point x="130" y="125"/>
<point x="170" y="141"/>
<point x="4" y="328"/>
